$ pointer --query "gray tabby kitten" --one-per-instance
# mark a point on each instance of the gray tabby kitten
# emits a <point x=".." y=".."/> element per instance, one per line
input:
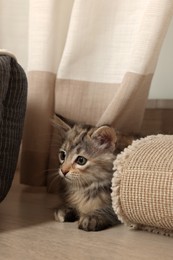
<point x="86" y="160"/>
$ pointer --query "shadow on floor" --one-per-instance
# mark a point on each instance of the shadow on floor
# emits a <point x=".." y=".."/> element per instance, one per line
<point x="26" y="206"/>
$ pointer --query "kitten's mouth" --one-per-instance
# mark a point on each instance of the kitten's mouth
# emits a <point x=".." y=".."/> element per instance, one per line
<point x="67" y="178"/>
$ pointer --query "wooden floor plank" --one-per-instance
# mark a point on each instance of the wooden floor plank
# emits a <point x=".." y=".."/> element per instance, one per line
<point x="28" y="231"/>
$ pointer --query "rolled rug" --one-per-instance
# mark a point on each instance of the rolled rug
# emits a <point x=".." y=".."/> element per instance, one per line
<point x="142" y="185"/>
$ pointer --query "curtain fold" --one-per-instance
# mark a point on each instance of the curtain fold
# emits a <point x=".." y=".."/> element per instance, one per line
<point x="91" y="62"/>
<point x="113" y="43"/>
<point x="37" y="130"/>
<point x="48" y="25"/>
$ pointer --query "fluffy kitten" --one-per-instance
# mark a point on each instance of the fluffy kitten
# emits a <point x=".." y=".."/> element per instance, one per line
<point x="86" y="159"/>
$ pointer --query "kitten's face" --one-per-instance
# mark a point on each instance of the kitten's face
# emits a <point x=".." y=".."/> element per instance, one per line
<point x="86" y="156"/>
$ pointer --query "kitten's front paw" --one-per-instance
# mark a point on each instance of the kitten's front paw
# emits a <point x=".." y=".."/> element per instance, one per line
<point x="59" y="215"/>
<point x="92" y="223"/>
<point x="65" y="215"/>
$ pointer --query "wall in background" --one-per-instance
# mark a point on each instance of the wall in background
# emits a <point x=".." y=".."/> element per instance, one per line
<point x="162" y="84"/>
<point x="14" y="28"/>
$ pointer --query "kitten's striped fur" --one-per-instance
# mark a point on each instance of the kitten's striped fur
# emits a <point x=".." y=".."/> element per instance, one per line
<point x="88" y="186"/>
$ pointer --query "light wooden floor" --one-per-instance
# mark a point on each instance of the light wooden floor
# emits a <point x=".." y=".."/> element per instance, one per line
<point x="28" y="231"/>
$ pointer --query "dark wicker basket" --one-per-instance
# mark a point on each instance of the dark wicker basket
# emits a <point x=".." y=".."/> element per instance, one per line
<point x="13" y="95"/>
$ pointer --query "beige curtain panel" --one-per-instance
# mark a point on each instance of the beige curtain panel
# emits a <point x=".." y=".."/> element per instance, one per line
<point x="88" y="61"/>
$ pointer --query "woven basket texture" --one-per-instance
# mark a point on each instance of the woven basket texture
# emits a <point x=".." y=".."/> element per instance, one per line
<point x="143" y="184"/>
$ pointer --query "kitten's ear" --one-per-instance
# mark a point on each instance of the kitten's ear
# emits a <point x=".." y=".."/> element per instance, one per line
<point x="104" y="137"/>
<point x="57" y="122"/>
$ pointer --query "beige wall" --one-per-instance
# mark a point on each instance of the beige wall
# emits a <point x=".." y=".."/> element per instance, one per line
<point x="162" y="84"/>
<point x="14" y="28"/>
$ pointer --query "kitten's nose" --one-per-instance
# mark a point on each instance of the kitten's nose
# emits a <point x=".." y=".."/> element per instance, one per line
<point x="64" y="172"/>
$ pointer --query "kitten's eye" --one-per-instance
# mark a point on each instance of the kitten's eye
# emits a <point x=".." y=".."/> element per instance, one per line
<point x="62" y="155"/>
<point x="81" y="160"/>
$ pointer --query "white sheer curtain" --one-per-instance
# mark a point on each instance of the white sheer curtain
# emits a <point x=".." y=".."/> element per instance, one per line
<point x="89" y="61"/>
